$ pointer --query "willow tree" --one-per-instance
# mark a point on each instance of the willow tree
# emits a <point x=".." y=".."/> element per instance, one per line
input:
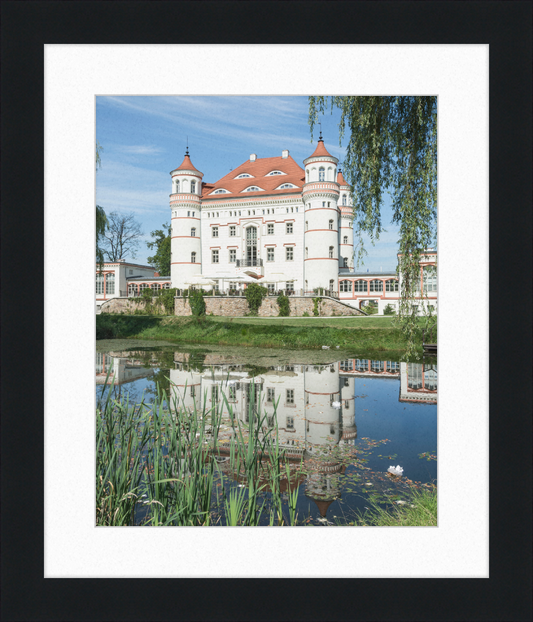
<point x="392" y="149"/>
<point x="101" y="219"/>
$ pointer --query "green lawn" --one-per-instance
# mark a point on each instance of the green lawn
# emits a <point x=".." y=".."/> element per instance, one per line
<point x="329" y="322"/>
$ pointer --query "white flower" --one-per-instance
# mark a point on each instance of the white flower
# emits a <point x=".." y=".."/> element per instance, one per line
<point x="397" y="470"/>
<point x="325" y="347"/>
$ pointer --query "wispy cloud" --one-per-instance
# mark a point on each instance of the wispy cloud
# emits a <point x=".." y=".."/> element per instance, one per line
<point x="139" y="149"/>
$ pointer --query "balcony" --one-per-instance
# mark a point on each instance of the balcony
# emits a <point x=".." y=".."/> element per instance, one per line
<point x="249" y="263"/>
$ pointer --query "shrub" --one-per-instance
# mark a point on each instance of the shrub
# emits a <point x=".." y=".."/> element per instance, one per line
<point x="254" y="296"/>
<point x="197" y="302"/>
<point x="284" y="306"/>
<point x="389" y="310"/>
<point x="305" y="314"/>
<point x="316" y="311"/>
<point x="167" y="300"/>
<point x="371" y="308"/>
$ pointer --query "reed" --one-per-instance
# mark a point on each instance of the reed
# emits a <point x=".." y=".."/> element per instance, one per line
<point x="157" y="465"/>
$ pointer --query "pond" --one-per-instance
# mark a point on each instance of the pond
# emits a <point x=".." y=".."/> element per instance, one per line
<point x="339" y="423"/>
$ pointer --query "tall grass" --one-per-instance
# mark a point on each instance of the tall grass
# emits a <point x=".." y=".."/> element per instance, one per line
<point x="419" y="511"/>
<point x="156" y="466"/>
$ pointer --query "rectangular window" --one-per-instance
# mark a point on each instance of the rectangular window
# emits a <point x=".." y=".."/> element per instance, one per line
<point x="271" y="395"/>
<point x="391" y="286"/>
<point x="232" y="393"/>
<point x="214" y="257"/>
<point x="232" y="231"/>
<point x="188" y="213"/>
<point x="289" y="253"/>
<point x="270" y="254"/>
<point x="232" y="255"/>
<point x="290" y="396"/>
<point x="214" y="231"/>
<point x="99" y="283"/>
<point x="289" y="227"/>
<point x="270" y="229"/>
<point x="323" y="204"/>
<point x="289" y="286"/>
<point x="214" y="393"/>
<point x="271" y="288"/>
<point x="290" y="423"/>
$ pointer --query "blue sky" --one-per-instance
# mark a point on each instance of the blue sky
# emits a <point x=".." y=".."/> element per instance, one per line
<point x="144" y="138"/>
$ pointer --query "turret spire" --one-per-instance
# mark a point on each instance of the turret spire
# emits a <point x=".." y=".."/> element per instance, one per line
<point x="187" y="152"/>
<point x="320" y="139"/>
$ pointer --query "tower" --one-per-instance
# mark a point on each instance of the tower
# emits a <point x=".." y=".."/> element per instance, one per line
<point x="185" y="205"/>
<point x="346" y="224"/>
<point x="321" y="239"/>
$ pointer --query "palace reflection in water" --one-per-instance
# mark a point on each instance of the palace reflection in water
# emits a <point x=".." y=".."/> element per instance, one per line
<point x="313" y="407"/>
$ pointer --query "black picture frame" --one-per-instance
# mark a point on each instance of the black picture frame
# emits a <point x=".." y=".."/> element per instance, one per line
<point x="506" y="27"/>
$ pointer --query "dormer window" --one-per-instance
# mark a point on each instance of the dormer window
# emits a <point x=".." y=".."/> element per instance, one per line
<point x="275" y="173"/>
<point x="243" y="175"/>
<point x="252" y="189"/>
<point x="286" y="186"/>
<point x="221" y="191"/>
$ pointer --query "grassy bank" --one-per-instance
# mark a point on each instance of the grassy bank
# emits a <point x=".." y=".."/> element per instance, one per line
<point x="419" y="511"/>
<point x="363" y="334"/>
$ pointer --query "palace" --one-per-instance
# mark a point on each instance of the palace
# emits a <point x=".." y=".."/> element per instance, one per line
<point x="267" y="221"/>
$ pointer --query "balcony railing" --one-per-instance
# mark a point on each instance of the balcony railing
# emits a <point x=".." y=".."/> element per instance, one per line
<point x="247" y="263"/>
<point x="271" y="292"/>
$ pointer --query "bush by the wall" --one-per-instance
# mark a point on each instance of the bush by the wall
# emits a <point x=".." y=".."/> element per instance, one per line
<point x="254" y="296"/>
<point x="389" y="310"/>
<point x="316" y="311"/>
<point x="197" y="302"/>
<point x="284" y="306"/>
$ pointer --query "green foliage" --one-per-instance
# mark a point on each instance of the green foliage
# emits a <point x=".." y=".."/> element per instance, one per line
<point x="371" y="308"/>
<point x="389" y="310"/>
<point x="392" y="149"/>
<point x="316" y="303"/>
<point x="101" y="219"/>
<point x="254" y="296"/>
<point x="161" y="260"/>
<point x="284" y="306"/>
<point x="197" y="302"/>
<point x="167" y="300"/>
<point x="305" y="314"/>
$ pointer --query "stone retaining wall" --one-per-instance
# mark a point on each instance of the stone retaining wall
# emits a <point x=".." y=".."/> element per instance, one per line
<point x="234" y="306"/>
<point x="237" y="306"/>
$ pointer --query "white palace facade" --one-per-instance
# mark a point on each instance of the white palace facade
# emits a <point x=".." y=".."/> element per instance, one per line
<point x="268" y="221"/>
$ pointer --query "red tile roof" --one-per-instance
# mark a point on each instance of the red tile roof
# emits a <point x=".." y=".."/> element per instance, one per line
<point x="321" y="150"/>
<point x="259" y="171"/>
<point x="340" y="179"/>
<point x="186" y="164"/>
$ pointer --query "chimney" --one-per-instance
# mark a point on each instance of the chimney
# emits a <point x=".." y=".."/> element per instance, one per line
<point x="285" y="153"/>
<point x="122" y="261"/>
<point x="253" y="157"/>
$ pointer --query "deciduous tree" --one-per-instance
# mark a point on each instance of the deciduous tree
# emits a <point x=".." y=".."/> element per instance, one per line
<point x="121" y="238"/>
<point x="161" y="259"/>
<point x="101" y="219"/>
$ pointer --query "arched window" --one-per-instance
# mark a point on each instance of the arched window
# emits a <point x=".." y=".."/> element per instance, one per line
<point x="331" y="252"/>
<point x="331" y="224"/>
<point x="193" y="232"/>
<point x="345" y="286"/>
<point x="307" y="175"/>
<point x="193" y="187"/>
<point x="156" y="287"/>
<point x="99" y="283"/>
<point x="345" y="262"/>
<point x="177" y="185"/>
<point x="330" y="174"/>
<point x="331" y="285"/>
<point x="345" y="239"/>
<point x="321" y="174"/>
<point x="360" y="286"/>
<point x="165" y="286"/>
<point x="391" y="285"/>
<point x="376" y="286"/>
<point x="344" y="199"/>
<point x="132" y="289"/>
<point x="193" y="257"/>
<point x="184" y="185"/>
<point x="142" y="287"/>
<point x="110" y="283"/>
